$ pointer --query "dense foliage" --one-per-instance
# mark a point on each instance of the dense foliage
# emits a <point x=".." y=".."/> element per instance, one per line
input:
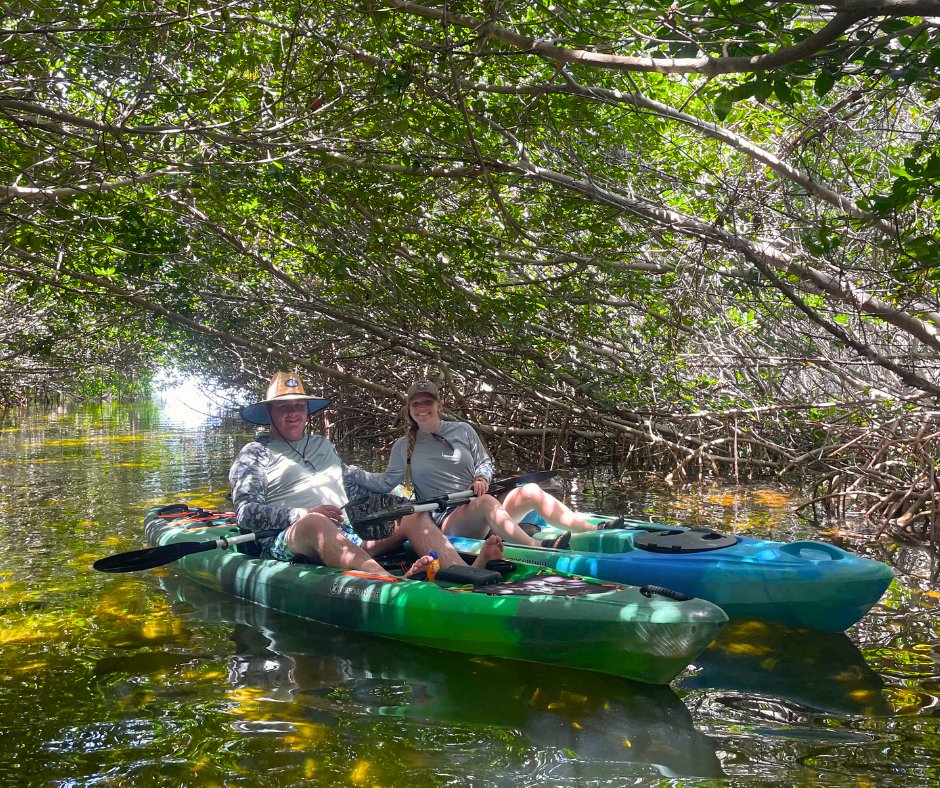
<point x="692" y="235"/>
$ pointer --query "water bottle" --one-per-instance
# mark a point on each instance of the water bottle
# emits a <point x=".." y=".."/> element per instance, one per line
<point x="434" y="567"/>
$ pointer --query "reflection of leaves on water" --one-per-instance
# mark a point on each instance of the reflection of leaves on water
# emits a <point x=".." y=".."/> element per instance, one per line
<point x="771" y="498"/>
<point x="368" y="693"/>
<point x="93" y="439"/>
<point x="143" y="663"/>
<point x="21" y="608"/>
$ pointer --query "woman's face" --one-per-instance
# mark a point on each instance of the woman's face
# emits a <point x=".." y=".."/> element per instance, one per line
<point x="288" y="419"/>
<point x="424" y="410"/>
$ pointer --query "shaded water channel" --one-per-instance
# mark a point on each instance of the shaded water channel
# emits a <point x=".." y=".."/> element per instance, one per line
<point x="147" y="679"/>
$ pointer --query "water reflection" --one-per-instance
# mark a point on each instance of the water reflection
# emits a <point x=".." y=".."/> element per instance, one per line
<point x="820" y="671"/>
<point x="112" y="680"/>
<point x="577" y="723"/>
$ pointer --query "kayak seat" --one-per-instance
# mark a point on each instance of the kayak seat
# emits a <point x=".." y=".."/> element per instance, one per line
<point x="395" y="559"/>
<point x="531" y="529"/>
<point x="562" y="542"/>
<point x="547" y="585"/>
<point x="252" y="549"/>
<point x="682" y="540"/>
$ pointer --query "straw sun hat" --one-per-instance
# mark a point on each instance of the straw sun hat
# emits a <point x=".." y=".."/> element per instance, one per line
<point x="284" y="387"/>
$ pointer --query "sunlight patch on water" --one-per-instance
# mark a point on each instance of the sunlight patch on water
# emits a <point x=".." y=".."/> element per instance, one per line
<point x="186" y="401"/>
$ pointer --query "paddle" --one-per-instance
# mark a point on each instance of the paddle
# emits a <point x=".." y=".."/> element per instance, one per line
<point x="370" y="526"/>
<point x="136" y="560"/>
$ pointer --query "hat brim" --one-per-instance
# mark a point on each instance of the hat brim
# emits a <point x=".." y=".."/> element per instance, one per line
<point x="430" y="394"/>
<point x="258" y="413"/>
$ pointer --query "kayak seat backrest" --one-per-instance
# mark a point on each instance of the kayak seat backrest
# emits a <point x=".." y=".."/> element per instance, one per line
<point x="547" y="585"/>
<point x="252" y="549"/>
<point x="682" y="540"/>
<point x="397" y="558"/>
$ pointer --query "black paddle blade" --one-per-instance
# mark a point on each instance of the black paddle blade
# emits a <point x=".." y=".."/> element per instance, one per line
<point x="536" y="477"/>
<point x="137" y="560"/>
<point x="373" y="505"/>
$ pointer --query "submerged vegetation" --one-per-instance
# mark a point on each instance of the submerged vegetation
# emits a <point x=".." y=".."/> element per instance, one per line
<point x="686" y="238"/>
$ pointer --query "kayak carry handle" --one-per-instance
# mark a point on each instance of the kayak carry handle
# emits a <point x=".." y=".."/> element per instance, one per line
<point x="648" y="591"/>
<point x="823" y="550"/>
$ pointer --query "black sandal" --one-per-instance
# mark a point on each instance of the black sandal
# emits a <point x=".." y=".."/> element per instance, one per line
<point x="559" y="542"/>
<point x="611" y="524"/>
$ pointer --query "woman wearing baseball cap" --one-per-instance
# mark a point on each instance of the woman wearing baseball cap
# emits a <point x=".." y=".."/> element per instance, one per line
<point x="440" y="457"/>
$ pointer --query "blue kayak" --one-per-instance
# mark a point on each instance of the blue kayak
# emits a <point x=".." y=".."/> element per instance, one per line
<point x="806" y="583"/>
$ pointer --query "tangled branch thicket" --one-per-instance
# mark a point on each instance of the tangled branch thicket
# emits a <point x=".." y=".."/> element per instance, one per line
<point x="680" y="239"/>
<point x="888" y="471"/>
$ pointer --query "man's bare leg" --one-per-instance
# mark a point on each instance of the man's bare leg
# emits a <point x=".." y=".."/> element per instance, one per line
<point x="315" y="536"/>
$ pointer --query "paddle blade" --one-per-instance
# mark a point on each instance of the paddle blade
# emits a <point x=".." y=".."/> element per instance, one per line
<point x="372" y="505"/>
<point x="536" y="477"/>
<point x="137" y="560"/>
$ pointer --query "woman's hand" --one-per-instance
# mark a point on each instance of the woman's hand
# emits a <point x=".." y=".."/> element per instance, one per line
<point x="479" y="487"/>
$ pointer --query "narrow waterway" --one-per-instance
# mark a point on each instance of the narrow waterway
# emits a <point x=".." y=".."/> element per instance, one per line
<point x="147" y="679"/>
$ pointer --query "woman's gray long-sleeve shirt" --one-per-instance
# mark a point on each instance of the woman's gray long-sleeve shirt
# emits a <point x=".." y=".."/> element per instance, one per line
<point x="443" y="462"/>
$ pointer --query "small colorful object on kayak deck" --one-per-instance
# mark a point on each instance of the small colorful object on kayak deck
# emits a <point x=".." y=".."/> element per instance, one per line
<point x="529" y="613"/>
<point x="806" y="583"/>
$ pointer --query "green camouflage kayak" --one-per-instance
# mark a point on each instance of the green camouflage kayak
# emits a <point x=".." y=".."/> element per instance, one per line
<point x="528" y="613"/>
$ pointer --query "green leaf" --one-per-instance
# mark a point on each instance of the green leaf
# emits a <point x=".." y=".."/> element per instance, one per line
<point x="723" y="105"/>
<point x="784" y="92"/>
<point x="824" y="83"/>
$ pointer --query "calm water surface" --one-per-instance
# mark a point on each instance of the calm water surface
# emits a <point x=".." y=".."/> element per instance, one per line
<point x="146" y="679"/>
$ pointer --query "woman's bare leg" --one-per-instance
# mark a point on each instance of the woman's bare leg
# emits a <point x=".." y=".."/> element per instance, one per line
<point x="520" y="501"/>
<point x="482" y="515"/>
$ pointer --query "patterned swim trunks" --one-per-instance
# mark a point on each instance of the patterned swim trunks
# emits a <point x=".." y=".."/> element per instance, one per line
<point x="277" y="548"/>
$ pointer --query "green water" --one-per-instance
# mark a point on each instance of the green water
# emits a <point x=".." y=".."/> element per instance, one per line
<point x="144" y="679"/>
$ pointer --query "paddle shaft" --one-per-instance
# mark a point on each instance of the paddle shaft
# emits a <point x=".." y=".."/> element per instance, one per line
<point x="444" y="501"/>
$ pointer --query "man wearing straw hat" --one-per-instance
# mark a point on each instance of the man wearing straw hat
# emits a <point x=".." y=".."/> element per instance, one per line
<point x="292" y="480"/>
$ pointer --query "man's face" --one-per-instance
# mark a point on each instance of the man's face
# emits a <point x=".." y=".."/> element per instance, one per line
<point x="288" y="419"/>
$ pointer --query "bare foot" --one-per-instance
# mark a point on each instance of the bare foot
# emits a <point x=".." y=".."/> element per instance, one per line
<point x="419" y="566"/>
<point x="492" y="549"/>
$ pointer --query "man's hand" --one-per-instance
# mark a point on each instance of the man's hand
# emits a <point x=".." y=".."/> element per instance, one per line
<point x="332" y="513"/>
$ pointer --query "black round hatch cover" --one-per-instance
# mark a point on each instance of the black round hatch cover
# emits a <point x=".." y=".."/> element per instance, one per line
<point x="691" y="540"/>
